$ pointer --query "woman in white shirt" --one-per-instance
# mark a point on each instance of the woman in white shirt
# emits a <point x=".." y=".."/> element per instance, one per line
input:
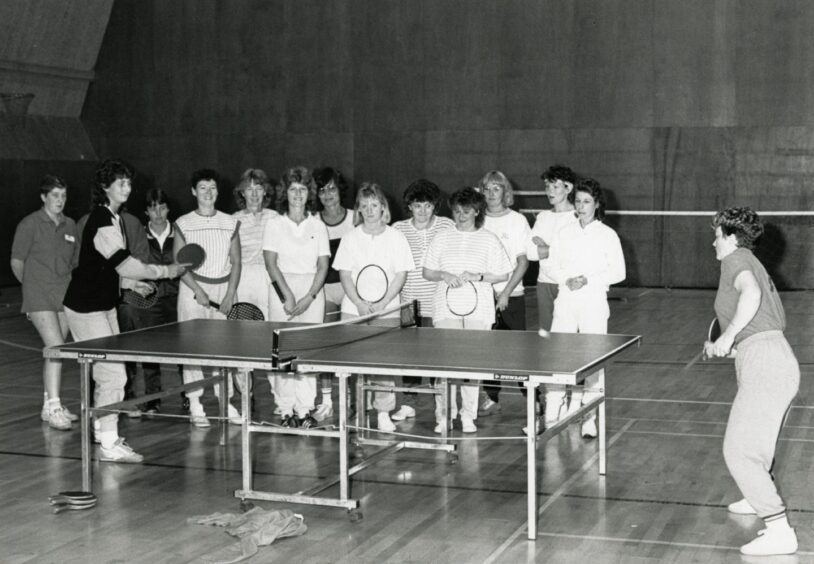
<point x="585" y="259"/>
<point x="512" y="229"/>
<point x="468" y="253"/>
<point x="559" y="186"/>
<point x="374" y="242"/>
<point x="295" y="249"/>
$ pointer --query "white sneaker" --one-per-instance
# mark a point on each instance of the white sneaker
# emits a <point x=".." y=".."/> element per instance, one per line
<point x="44" y="415"/>
<point x="440" y="427"/>
<point x="385" y="424"/>
<point x="769" y="542"/>
<point x="589" y="429"/>
<point x="133" y="413"/>
<point x="741" y="507"/>
<point x="323" y="411"/>
<point x="58" y="420"/>
<point x="489" y="407"/>
<point x="197" y="416"/>
<point x="403" y="413"/>
<point x="468" y="425"/>
<point x="120" y="452"/>
<point x="234" y="415"/>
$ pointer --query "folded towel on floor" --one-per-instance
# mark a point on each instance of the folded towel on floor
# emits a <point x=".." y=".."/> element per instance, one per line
<point x="255" y="528"/>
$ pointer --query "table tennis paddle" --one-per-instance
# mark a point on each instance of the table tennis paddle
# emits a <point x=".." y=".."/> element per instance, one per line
<point x="72" y="501"/>
<point x="242" y="311"/>
<point x="713" y="333"/>
<point x="372" y="283"/>
<point x="191" y="254"/>
<point x="135" y="299"/>
<point x="463" y="300"/>
<point x="72" y="507"/>
<point x="75" y="496"/>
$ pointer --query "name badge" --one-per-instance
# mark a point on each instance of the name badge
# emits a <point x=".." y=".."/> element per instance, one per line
<point x="70" y="238"/>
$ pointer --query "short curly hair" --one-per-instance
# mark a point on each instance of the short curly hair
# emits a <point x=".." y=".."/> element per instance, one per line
<point x="560" y="172"/>
<point x="422" y="190"/>
<point x="106" y="174"/>
<point x="470" y="198"/>
<point x="744" y="223"/>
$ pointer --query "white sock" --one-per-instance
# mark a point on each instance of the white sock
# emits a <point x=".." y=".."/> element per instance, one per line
<point x="53" y="403"/>
<point x="326" y="395"/>
<point x="195" y="406"/>
<point x="778" y="522"/>
<point x="108" y="438"/>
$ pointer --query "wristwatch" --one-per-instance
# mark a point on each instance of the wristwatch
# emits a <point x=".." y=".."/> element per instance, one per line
<point x="481" y="277"/>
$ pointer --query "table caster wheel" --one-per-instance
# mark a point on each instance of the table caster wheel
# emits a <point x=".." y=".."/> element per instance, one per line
<point x="452" y="459"/>
<point x="246" y="506"/>
<point x="355" y="515"/>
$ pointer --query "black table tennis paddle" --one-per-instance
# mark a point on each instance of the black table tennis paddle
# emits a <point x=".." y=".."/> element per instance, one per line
<point x="191" y="254"/>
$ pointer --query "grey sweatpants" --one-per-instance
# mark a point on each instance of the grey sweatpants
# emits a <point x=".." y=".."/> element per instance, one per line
<point x="768" y="379"/>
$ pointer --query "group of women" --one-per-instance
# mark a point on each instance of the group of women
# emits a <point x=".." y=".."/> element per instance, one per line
<point x="313" y="249"/>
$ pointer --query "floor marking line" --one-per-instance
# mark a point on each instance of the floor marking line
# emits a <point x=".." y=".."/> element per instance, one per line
<point x="649" y="541"/>
<point x="555" y="495"/>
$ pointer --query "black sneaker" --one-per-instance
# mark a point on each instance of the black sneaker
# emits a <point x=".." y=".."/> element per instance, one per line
<point x="308" y="422"/>
<point x="290" y="421"/>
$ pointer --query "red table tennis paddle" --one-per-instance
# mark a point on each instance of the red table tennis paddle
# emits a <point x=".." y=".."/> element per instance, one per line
<point x="191" y="254"/>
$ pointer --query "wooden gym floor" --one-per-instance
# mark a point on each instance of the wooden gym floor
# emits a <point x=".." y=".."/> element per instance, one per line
<point x="664" y="498"/>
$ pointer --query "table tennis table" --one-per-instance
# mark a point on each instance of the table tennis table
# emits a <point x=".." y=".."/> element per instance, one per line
<point x="345" y="350"/>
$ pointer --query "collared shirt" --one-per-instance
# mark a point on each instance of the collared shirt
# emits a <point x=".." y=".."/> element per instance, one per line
<point x="160" y="237"/>
<point x="298" y="245"/>
<point x="593" y="251"/>
<point x="47" y="250"/>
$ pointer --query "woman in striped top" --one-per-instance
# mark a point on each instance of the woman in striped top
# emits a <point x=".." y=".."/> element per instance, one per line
<point x="216" y="279"/>
<point x="467" y="253"/>
<point x="253" y="194"/>
<point x="421" y="198"/>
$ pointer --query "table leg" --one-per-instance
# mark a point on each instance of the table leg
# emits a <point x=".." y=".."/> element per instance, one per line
<point x="245" y="435"/>
<point x="224" y="399"/>
<point x="84" y="385"/>
<point x="531" y="451"/>
<point x="344" y="490"/>
<point x="602" y="426"/>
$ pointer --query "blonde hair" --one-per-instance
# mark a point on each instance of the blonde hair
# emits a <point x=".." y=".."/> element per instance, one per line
<point x="497" y="177"/>
<point x="371" y="190"/>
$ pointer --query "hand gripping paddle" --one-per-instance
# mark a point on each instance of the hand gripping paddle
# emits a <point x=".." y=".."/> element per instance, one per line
<point x="463" y="300"/>
<point x="242" y="311"/>
<point x="137" y="300"/>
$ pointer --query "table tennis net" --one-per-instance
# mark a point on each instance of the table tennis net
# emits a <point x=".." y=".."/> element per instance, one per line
<point x="290" y="344"/>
